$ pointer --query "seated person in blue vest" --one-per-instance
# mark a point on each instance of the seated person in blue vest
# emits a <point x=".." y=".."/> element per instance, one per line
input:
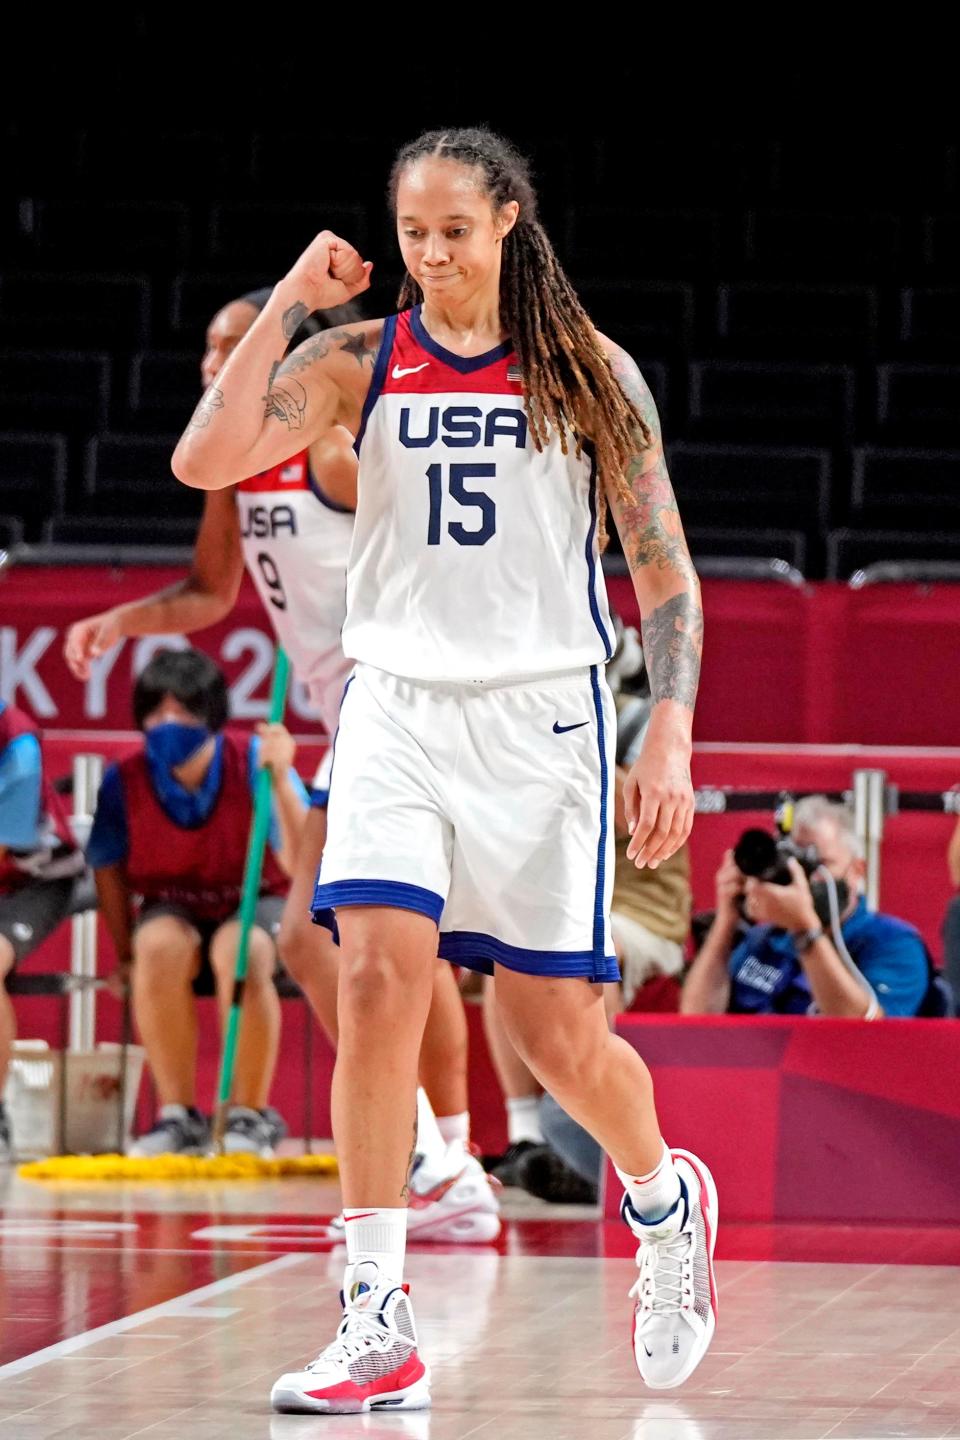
<point x="788" y="961"/>
<point x="38" y="867"/>
<point x="168" y="846"/>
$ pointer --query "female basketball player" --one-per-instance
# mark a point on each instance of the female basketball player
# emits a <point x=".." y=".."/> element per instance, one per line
<point x="471" y="806"/>
<point x="291" y="526"/>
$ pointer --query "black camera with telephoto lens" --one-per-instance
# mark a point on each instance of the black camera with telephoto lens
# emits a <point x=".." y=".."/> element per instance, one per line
<point x="764" y="856"/>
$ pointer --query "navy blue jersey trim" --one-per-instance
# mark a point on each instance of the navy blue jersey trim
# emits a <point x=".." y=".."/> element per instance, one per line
<point x="463" y="364"/>
<point x="325" y="499"/>
<point x="476" y="951"/>
<point x="379" y="376"/>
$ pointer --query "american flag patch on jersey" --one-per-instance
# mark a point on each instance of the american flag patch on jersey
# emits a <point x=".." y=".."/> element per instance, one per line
<point x="514" y="374"/>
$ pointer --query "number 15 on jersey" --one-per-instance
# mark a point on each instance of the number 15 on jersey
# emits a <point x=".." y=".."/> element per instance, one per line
<point x="453" y="483"/>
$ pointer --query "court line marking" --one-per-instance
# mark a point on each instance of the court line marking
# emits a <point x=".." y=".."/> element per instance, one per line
<point x="168" y="1309"/>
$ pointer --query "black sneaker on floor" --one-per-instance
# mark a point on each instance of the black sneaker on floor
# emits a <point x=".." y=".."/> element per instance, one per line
<point x="504" y="1167"/>
<point x="542" y="1172"/>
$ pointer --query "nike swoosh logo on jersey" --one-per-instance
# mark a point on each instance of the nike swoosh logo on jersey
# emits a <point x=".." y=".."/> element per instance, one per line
<point x="399" y="372"/>
<point x="559" y="729"/>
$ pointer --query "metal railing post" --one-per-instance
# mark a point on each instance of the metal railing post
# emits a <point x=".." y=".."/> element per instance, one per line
<point x="87" y="774"/>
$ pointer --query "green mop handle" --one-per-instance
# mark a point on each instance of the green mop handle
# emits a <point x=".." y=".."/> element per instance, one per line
<point x="252" y="871"/>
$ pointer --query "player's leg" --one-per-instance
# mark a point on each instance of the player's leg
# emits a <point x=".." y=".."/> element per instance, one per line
<point x="443" y="1056"/>
<point x="166" y="961"/>
<point x="386" y="980"/>
<point x="549" y="936"/>
<point x="560" y="1028"/>
<point x="520" y="1089"/>
<point x="308" y="951"/>
<point x="386" y="874"/>
<point x="451" y="1196"/>
<point x="386" y="983"/>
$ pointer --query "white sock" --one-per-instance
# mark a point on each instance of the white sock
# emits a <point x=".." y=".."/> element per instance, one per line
<point x="455" y="1127"/>
<point x="523" y="1120"/>
<point x="378" y="1235"/>
<point x="430" y="1142"/>
<point x="653" y="1196"/>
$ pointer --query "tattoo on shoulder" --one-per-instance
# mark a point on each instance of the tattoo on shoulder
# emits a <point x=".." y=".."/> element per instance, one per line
<point x="672" y="645"/>
<point x="288" y="403"/>
<point x="293" y="318"/>
<point x="320" y="346"/>
<point x="356" y="345"/>
<point x="627" y="374"/>
<point x="647" y="515"/>
<point x="211" y="402"/>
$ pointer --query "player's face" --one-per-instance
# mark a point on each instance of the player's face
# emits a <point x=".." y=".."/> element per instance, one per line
<point x="449" y="236"/>
<point x="224" y="333"/>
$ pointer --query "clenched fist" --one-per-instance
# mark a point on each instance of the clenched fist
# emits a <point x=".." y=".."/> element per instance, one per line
<point x="329" y="272"/>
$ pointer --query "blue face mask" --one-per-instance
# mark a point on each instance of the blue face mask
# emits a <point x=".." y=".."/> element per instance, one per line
<point x="171" y="744"/>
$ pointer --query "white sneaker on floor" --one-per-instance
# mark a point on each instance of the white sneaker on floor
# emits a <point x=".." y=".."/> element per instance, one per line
<point x="676" y="1294"/>
<point x="373" y="1364"/>
<point x="455" y="1203"/>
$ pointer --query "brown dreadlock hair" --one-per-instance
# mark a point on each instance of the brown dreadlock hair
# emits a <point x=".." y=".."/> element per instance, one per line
<point x="569" y="386"/>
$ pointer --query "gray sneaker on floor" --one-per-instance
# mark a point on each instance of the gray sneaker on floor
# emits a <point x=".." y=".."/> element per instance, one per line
<point x="252" y="1132"/>
<point x="178" y="1131"/>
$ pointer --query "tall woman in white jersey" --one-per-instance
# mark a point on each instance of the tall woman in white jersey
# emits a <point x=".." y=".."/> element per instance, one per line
<point x="291" y="526"/>
<point x="471" y="808"/>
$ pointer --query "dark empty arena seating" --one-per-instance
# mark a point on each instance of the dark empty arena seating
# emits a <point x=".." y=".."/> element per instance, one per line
<point x="33" y="467"/>
<point x="794" y="308"/>
<point x="130" y="474"/>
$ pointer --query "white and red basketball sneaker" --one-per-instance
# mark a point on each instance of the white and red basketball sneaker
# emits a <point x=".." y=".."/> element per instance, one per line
<point x="676" y="1294"/>
<point x="453" y="1203"/>
<point x="373" y="1364"/>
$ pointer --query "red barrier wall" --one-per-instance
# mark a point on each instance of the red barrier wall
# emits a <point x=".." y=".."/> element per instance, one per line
<point x="800" y="1119"/>
<point x="819" y="665"/>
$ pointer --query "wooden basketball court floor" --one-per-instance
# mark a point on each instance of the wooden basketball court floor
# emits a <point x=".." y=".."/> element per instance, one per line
<point x="165" y="1313"/>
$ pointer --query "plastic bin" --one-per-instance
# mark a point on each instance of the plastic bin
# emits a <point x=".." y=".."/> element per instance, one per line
<point x="33" y="1091"/>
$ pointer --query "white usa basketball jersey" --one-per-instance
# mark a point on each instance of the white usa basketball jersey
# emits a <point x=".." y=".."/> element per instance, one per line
<point x="474" y="556"/>
<point x="295" y="545"/>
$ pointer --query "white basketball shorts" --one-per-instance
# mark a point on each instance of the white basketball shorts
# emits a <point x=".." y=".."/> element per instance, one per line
<point x="487" y="807"/>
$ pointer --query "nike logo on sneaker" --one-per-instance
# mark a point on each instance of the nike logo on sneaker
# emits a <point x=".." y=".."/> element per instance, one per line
<point x="398" y="371"/>
<point x="649" y="1352"/>
<point x="559" y="729"/>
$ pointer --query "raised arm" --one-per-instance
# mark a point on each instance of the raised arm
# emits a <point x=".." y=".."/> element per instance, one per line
<point x="260" y="409"/>
<point x="658" y="792"/>
<point x="203" y="597"/>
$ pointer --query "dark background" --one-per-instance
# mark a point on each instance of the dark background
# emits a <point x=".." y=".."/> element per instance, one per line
<point x="768" y="217"/>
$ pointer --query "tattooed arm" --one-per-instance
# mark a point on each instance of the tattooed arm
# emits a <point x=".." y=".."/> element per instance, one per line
<point x="262" y="410"/>
<point x="658" y="791"/>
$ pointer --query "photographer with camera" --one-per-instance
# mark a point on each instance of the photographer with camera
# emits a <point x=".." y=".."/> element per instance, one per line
<point x="812" y="946"/>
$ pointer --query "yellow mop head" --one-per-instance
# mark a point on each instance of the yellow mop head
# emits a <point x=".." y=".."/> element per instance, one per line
<point x="176" y="1167"/>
